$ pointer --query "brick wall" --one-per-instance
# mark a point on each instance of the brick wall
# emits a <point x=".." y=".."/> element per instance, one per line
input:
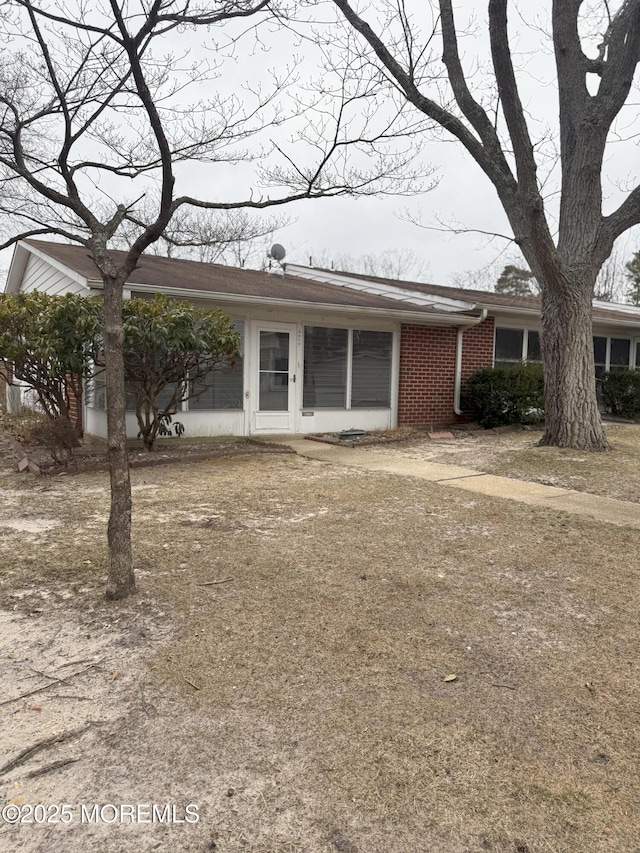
<point x="427" y="370"/>
<point x="75" y="405"/>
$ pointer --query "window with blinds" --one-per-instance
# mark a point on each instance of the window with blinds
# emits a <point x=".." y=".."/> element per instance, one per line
<point x="223" y="388"/>
<point x="346" y="368"/>
<point x="325" y="368"/>
<point x="371" y="370"/>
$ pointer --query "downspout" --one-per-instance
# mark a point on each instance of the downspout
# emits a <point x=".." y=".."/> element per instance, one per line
<point x="457" y="383"/>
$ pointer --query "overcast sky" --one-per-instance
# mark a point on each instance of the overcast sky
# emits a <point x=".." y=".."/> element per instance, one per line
<point x="463" y="197"/>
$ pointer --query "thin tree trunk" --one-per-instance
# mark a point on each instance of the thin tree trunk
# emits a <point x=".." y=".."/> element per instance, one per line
<point x="120" y="580"/>
<point x="572" y="417"/>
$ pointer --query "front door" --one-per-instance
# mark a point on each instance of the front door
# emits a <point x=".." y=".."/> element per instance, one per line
<point x="274" y="396"/>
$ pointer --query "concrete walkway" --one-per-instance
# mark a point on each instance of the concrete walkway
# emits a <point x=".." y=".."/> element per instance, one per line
<point x="608" y="510"/>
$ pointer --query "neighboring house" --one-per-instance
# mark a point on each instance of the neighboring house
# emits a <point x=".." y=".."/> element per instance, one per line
<point x="326" y="351"/>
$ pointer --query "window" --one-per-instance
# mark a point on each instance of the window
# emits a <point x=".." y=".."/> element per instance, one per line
<point x="325" y="367"/>
<point x="619" y="352"/>
<point x="509" y="346"/>
<point x="610" y="353"/>
<point x="514" y="345"/>
<point x="223" y="388"/>
<point x="336" y="360"/>
<point x="533" y="346"/>
<point x="96" y="392"/>
<point x="371" y="370"/>
<point x="600" y="355"/>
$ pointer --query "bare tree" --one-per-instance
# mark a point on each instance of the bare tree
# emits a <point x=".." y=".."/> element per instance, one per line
<point x="610" y="284"/>
<point x="234" y="237"/>
<point x="483" y="278"/>
<point x="398" y="264"/>
<point x="420" y="58"/>
<point x="95" y="135"/>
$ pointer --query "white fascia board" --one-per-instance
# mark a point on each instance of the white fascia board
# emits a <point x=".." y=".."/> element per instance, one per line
<point x="328" y="307"/>
<point x="16" y="268"/>
<point x="502" y="310"/>
<point x="396" y="292"/>
<point x="617" y="306"/>
<point x="63" y="268"/>
<point x="632" y="324"/>
<point x="603" y="323"/>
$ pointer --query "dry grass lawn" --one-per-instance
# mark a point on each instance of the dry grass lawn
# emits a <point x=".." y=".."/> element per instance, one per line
<point x="514" y="453"/>
<point x="284" y="661"/>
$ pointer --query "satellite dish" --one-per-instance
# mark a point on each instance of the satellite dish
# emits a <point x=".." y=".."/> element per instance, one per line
<point x="277" y="252"/>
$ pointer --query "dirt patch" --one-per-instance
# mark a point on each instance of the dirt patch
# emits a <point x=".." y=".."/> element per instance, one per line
<point x="91" y="455"/>
<point x="283" y="665"/>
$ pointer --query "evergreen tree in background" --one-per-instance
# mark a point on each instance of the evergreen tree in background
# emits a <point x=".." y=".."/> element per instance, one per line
<point x="516" y="281"/>
<point x="633" y="274"/>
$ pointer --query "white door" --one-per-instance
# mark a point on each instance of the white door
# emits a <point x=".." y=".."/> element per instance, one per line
<point x="275" y="383"/>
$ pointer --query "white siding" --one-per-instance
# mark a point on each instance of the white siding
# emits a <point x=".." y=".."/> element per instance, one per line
<point x="39" y="275"/>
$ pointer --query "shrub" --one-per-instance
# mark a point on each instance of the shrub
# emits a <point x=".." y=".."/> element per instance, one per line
<point x="59" y="436"/>
<point x="21" y="424"/>
<point x="621" y="393"/>
<point x="498" y="396"/>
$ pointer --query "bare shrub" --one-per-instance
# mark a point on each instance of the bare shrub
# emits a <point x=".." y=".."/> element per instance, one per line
<point x="59" y="436"/>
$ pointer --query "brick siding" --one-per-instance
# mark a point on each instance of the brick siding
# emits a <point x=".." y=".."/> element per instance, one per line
<point x="427" y="370"/>
<point x="75" y="407"/>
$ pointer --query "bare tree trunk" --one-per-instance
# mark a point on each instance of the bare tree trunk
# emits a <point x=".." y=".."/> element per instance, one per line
<point x="572" y="418"/>
<point x="120" y="579"/>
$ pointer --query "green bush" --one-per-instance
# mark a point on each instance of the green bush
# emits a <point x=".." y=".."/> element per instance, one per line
<point x="621" y="393"/>
<point x="498" y="396"/>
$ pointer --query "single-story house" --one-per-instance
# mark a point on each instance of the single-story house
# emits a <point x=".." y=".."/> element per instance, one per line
<point x="326" y="351"/>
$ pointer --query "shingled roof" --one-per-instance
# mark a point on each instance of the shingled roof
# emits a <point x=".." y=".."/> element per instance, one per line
<point x="167" y="274"/>
<point x="315" y="287"/>
<point x="481" y="298"/>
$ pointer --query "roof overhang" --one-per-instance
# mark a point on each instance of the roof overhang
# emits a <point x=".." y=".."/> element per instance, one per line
<point x="631" y="324"/>
<point x="399" y="292"/>
<point x="234" y="299"/>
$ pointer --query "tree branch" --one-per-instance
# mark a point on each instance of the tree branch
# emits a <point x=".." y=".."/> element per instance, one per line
<point x="614" y="225"/>
<point x="510" y="98"/>
<point x="428" y="107"/>
<point x="622" y="42"/>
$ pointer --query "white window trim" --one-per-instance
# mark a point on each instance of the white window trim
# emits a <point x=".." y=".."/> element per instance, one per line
<point x="348" y="384"/>
<point x="633" y="344"/>
<point x="525" y="342"/>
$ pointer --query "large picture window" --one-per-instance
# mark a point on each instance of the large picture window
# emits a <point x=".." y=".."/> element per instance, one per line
<point x="347" y="368"/>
